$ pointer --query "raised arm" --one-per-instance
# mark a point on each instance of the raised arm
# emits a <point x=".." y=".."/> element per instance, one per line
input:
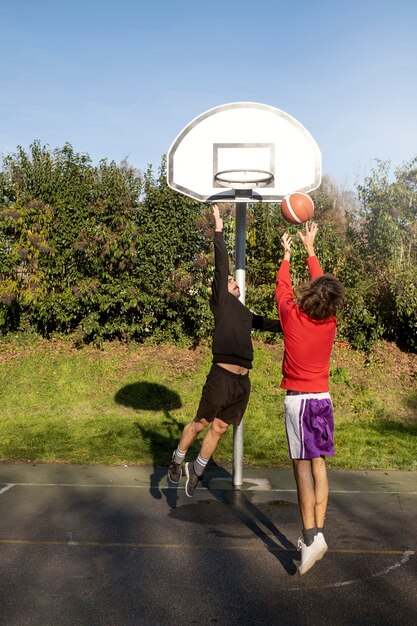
<point x="218" y="221"/>
<point x="221" y="260"/>
<point x="308" y="237"/>
<point x="283" y="281"/>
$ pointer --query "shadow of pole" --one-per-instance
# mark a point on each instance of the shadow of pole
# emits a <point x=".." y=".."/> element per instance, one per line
<point x="251" y="516"/>
<point x="146" y="396"/>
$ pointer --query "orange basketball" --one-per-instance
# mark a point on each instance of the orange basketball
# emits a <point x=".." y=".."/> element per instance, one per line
<point x="297" y="208"/>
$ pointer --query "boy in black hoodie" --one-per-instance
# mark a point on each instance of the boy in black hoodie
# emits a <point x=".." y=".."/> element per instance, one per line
<point x="225" y="394"/>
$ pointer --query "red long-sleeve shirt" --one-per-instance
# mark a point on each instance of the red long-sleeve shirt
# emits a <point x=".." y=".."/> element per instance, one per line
<point x="307" y="343"/>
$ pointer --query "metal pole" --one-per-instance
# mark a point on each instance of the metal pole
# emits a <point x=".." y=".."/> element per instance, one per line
<point x="240" y="273"/>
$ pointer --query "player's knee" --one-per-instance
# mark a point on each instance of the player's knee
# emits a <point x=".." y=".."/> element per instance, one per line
<point x="199" y="426"/>
<point x="219" y="428"/>
<point x="320" y="476"/>
<point x="318" y="467"/>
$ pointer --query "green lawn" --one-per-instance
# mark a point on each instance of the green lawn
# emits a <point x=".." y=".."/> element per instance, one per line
<point x="127" y="405"/>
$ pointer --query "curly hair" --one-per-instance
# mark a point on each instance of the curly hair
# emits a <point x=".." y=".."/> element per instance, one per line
<point x="322" y="297"/>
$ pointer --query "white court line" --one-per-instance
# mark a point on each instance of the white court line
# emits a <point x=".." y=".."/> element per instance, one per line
<point x="165" y="486"/>
<point x="406" y="557"/>
<point x="6" y="488"/>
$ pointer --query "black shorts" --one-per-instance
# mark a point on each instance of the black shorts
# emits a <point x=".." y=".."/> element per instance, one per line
<point x="225" y="395"/>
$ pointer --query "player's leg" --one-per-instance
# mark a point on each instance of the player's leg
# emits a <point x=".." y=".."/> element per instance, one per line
<point x="321" y="490"/>
<point x="188" y="436"/>
<point x="323" y="424"/>
<point x="232" y="393"/>
<point x="309" y="428"/>
<point x="206" y="412"/>
<point x="194" y="469"/>
<point x="191" y="432"/>
<point x="305" y="491"/>
<point x="212" y="437"/>
<point x="313" y="545"/>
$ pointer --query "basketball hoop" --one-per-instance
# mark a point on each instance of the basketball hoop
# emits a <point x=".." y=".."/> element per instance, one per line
<point x="244" y="179"/>
<point x="243" y="152"/>
<point x="243" y="145"/>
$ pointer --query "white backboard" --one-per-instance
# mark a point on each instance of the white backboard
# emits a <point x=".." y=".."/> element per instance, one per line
<point x="245" y="136"/>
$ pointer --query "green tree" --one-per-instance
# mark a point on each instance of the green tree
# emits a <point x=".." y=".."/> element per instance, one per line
<point x="105" y="252"/>
<point x="174" y="267"/>
<point x="388" y="226"/>
<point x="59" y="219"/>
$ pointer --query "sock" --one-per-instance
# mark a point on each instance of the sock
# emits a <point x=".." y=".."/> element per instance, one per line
<point x="320" y="530"/>
<point x="308" y="535"/>
<point x="179" y="456"/>
<point x="200" y="465"/>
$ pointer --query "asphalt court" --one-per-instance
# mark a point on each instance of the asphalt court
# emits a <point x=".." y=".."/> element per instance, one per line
<point x="120" y="546"/>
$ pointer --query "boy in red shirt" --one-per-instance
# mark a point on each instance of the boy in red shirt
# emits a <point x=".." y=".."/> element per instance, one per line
<point x="309" y="328"/>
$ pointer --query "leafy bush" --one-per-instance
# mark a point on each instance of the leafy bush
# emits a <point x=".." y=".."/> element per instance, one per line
<point x="106" y="251"/>
<point x="103" y="252"/>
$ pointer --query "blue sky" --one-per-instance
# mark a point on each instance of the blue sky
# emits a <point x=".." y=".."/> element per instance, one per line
<point x="122" y="79"/>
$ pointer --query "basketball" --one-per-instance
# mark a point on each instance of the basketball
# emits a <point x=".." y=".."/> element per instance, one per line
<point x="297" y="208"/>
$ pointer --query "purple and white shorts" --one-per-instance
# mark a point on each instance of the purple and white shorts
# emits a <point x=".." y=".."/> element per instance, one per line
<point x="309" y="425"/>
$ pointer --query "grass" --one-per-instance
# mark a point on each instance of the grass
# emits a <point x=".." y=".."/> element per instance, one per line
<point x="128" y="404"/>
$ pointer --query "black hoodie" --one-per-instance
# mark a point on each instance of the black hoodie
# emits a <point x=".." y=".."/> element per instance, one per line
<point x="232" y="341"/>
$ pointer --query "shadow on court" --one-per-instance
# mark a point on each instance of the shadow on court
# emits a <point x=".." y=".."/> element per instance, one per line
<point x="91" y="545"/>
<point x="235" y="505"/>
<point x="145" y="396"/>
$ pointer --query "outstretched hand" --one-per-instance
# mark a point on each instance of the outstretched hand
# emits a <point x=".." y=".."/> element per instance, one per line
<point x="217" y="219"/>
<point x="286" y="243"/>
<point x="308" y="237"/>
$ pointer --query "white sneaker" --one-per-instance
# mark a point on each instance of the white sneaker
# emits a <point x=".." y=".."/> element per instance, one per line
<point x="312" y="553"/>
